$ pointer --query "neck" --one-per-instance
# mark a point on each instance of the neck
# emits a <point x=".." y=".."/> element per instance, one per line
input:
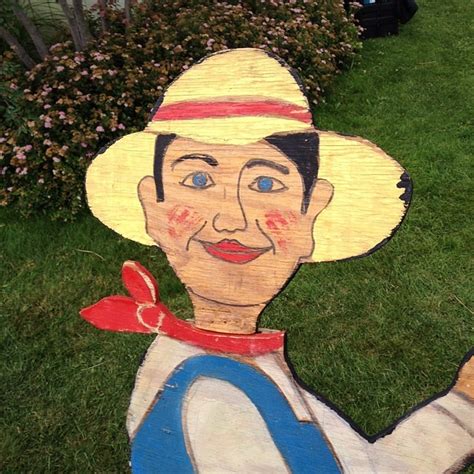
<point x="219" y="317"/>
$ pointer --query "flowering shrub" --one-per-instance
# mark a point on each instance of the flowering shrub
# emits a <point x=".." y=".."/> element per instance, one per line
<point x="59" y="114"/>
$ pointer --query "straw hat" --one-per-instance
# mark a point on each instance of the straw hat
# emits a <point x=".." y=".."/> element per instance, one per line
<point x="239" y="97"/>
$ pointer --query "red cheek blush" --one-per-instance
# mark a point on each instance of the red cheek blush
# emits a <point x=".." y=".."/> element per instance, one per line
<point x="283" y="244"/>
<point x="182" y="216"/>
<point x="279" y="221"/>
<point x="182" y="220"/>
<point x="172" y="232"/>
<point x="292" y="216"/>
<point x="274" y="220"/>
<point x="279" y="225"/>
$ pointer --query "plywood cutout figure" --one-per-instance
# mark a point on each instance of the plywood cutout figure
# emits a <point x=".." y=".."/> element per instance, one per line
<point x="231" y="179"/>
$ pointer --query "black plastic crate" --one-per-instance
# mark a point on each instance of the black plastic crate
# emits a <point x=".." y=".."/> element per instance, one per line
<point x="379" y="19"/>
<point x="382" y="17"/>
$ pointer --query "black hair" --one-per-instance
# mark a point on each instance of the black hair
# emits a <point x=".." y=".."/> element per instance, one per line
<point x="300" y="148"/>
<point x="161" y="145"/>
<point x="303" y="150"/>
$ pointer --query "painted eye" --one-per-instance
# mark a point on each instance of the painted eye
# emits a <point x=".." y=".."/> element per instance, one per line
<point x="198" y="180"/>
<point x="265" y="184"/>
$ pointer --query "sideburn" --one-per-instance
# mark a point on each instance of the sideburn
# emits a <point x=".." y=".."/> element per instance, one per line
<point x="161" y="145"/>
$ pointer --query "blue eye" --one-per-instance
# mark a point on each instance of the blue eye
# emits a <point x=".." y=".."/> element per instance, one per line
<point x="198" y="180"/>
<point x="265" y="184"/>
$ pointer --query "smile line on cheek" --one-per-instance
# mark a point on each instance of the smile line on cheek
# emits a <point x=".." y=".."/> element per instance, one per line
<point x="266" y="235"/>
<point x="195" y="234"/>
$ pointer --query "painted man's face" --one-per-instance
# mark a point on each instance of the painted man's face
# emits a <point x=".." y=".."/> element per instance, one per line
<point x="231" y="222"/>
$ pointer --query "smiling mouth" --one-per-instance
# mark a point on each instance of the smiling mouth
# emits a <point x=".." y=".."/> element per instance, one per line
<point x="233" y="251"/>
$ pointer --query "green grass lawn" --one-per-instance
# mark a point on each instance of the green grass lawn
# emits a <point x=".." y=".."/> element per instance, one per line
<point x="375" y="336"/>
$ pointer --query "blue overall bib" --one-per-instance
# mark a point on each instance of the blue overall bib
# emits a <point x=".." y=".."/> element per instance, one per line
<point x="159" y="445"/>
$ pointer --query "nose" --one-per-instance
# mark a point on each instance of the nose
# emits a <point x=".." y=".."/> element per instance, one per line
<point x="230" y="216"/>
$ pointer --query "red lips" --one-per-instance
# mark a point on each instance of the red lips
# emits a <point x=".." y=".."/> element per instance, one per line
<point x="233" y="251"/>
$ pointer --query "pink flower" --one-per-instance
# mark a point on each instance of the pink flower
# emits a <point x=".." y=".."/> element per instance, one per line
<point x="48" y="125"/>
<point x="121" y="126"/>
<point x="21" y="156"/>
<point x="47" y="142"/>
<point x="13" y="86"/>
<point x="3" y="139"/>
<point x="28" y="147"/>
<point x="41" y="181"/>
<point x="100" y="128"/>
<point x="84" y="145"/>
<point x="62" y="115"/>
<point x="56" y="159"/>
<point x="59" y="68"/>
<point x="84" y="73"/>
<point x="46" y="106"/>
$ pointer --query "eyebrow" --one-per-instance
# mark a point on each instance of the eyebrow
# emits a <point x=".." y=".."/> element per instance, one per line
<point x="196" y="156"/>
<point x="270" y="164"/>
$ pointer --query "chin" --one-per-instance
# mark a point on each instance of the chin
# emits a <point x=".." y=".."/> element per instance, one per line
<point x="231" y="299"/>
<point x="253" y="283"/>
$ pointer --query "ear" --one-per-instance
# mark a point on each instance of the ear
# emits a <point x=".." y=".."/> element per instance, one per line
<point x="148" y="200"/>
<point x="321" y="196"/>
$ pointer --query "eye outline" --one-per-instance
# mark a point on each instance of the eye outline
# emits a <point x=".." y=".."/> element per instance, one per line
<point x="192" y="175"/>
<point x="275" y="180"/>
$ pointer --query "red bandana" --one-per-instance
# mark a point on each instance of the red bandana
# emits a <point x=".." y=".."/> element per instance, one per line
<point x="143" y="312"/>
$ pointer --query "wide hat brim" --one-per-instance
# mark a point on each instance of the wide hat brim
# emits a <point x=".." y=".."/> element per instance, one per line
<point x="371" y="193"/>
